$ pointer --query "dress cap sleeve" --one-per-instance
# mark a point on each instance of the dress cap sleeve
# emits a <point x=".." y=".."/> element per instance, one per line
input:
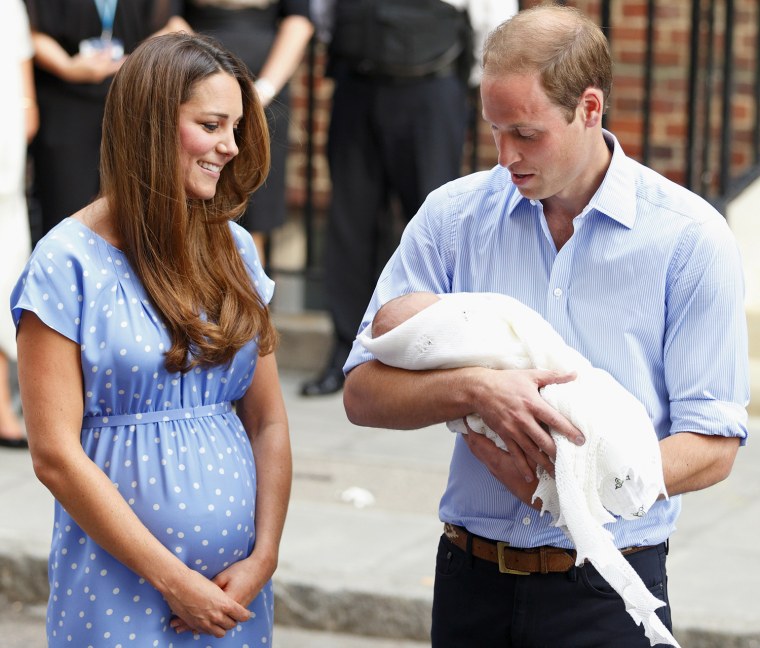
<point x="51" y="286"/>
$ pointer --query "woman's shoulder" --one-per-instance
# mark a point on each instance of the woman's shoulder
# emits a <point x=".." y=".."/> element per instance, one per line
<point x="64" y="245"/>
<point x="239" y="233"/>
<point x="73" y="240"/>
<point x="67" y="256"/>
<point x="69" y="236"/>
<point x="245" y="246"/>
<point x="51" y="283"/>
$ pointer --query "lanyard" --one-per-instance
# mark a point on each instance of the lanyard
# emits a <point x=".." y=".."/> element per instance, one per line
<point x="107" y="12"/>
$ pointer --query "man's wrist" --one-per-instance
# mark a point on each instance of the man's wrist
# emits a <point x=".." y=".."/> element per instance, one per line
<point x="473" y="385"/>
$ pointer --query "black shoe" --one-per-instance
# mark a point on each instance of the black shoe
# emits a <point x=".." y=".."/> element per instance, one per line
<point x="330" y="382"/>
<point x="21" y="444"/>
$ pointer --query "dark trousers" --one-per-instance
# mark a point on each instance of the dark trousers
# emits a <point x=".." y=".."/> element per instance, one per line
<point x="476" y="606"/>
<point x="387" y="140"/>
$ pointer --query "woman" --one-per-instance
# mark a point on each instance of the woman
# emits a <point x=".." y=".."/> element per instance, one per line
<point x="18" y="114"/>
<point x="140" y="319"/>
<point x="270" y="36"/>
<point x="72" y="83"/>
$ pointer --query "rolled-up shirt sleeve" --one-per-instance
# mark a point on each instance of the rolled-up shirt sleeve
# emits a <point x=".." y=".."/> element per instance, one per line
<point x="705" y="346"/>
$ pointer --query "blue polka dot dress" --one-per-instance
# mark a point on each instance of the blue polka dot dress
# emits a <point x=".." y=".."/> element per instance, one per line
<point x="169" y="442"/>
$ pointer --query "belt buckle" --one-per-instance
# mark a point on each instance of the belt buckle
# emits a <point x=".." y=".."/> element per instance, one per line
<point x="503" y="569"/>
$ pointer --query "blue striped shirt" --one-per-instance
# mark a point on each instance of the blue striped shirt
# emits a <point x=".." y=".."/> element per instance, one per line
<point x="649" y="287"/>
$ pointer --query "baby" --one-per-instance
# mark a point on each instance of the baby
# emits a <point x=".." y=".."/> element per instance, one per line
<point x="400" y="309"/>
<point x="618" y="470"/>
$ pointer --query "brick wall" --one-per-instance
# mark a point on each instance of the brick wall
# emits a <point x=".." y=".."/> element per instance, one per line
<point x="668" y="116"/>
<point x="298" y="163"/>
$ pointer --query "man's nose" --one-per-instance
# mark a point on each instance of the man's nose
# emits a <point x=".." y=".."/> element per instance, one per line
<point x="508" y="153"/>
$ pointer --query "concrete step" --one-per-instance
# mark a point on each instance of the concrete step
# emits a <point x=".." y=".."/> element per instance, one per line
<point x="305" y="340"/>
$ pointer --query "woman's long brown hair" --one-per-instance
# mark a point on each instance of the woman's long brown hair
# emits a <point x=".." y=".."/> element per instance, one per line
<point x="181" y="248"/>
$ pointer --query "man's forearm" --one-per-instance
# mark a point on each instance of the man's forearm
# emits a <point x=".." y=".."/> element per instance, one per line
<point x="508" y="401"/>
<point x="693" y="461"/>
<point x="376" y="395"/>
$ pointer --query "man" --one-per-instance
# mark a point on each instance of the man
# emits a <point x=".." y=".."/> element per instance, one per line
<point x="397" y="128"/>
<point x="636" y="273"/>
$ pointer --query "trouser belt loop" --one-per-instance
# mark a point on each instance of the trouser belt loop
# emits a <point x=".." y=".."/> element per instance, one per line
<point x="544" y="560"/>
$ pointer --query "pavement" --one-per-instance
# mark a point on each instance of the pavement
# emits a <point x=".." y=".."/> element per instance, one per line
<point x="359" y="542"/>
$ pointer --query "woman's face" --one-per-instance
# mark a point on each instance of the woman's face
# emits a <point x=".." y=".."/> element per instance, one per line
<point x="207" y="127"/>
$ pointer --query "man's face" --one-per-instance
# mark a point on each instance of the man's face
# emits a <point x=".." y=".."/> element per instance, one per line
<point x="546" y="155"/>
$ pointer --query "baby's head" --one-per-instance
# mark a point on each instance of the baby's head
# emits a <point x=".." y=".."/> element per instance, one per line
<point x="400" y="309"/>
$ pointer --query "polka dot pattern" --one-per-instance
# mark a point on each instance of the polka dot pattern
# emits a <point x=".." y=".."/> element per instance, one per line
<point x="170" y="444"/>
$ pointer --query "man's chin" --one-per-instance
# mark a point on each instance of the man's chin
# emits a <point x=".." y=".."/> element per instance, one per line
<point x="530" y="193"/>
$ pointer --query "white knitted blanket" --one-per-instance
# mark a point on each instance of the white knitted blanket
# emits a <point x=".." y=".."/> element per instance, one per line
<point x="617" y="471"/>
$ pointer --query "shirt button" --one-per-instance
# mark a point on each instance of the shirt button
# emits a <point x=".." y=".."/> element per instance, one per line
<point x="534" y="202"/>
<point x="526" y="520"/>
<point x="558" y="292"/>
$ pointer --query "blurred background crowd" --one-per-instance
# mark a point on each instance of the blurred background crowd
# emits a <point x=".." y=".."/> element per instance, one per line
<point x="402" y="75"/>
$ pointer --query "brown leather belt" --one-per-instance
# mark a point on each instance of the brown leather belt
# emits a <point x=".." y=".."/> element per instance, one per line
<point x="513" y="560"/>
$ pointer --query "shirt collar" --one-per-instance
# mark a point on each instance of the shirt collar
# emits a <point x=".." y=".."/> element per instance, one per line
<point x="616" y="195"/>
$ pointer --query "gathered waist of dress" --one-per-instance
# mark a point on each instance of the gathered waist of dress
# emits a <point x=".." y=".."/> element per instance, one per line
<point x="141" y="418"/>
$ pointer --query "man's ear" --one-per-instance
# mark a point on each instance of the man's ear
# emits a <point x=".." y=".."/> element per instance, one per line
<point x="592" y="106"/>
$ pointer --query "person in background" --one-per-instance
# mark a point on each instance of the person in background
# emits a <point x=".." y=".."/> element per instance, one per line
<point x="270" y="36"/>
<point x="399" y="114"/>
<point x="141" y="319"/>
<point x="20" y="119"/>
<point x="78" y="46"/>
<point x="636" y="273"/>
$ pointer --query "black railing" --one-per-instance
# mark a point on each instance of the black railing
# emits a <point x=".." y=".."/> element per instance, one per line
<point x="709" y="167"/>
<point x="712" y="80"/>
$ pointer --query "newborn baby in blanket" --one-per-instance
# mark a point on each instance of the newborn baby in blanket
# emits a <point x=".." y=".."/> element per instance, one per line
<point x="618" y="471"/>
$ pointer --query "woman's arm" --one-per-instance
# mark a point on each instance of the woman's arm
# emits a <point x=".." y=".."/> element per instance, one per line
<point x="286" y="54"/>
<point x="51" y="57"/>
<point x="50" y="378"/>
<point x="262" y="412"/>
<point x="31" y="111"/>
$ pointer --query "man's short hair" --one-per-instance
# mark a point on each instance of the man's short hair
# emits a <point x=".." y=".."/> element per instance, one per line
<point x="566" y="48"/>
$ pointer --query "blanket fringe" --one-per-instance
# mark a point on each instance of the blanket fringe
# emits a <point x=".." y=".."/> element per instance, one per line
<point x="593" y="542"/>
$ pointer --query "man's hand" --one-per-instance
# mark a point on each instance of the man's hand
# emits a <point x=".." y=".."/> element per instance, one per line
<point x="501" y="466"/>
<point x="511" y="405"/>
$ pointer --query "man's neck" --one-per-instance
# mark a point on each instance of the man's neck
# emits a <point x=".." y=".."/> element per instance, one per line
<point x="561" y="209"/>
